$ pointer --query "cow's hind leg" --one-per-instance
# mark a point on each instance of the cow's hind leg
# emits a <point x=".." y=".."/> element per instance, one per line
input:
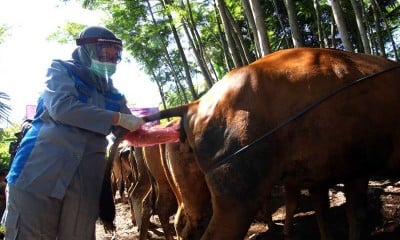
<point x="122" y="192"/>
<point x="131" y="205"/>
<point x="356" y="206"/>
<point x="139" y="192"/>
<point x="165" y="207"/>
<point x="291" y="202"/>
<point x="144" y="223"/>
<point x="234" y="204"/>
<point x="320" y="202"/>
<point x="231" y="219"/>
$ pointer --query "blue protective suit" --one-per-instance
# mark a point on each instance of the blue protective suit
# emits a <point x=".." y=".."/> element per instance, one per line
<point x="74" y="115"/>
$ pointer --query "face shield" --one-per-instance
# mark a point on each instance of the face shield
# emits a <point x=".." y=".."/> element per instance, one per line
<point x="104" y="54"/>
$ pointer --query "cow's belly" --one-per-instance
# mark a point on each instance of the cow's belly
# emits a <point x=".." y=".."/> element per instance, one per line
<point x="323" y="155"/>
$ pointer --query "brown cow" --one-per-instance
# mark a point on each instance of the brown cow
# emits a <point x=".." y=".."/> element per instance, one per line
<point x="140" y="188"/>
<point x="307" y="117"/>
<point x="165" y="204"/>
<point x="151" y="193"/>
<point x="190" y="189"/>
<point x="121" y="171"/>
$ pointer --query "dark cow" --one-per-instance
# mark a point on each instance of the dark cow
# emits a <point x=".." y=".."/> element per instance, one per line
<point x="309" y="118"/>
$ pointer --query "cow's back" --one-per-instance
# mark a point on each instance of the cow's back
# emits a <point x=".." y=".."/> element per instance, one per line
<point x="256" y="98"/>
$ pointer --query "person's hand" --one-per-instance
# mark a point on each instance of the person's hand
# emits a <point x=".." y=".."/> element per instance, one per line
<point x="129" y="121"/>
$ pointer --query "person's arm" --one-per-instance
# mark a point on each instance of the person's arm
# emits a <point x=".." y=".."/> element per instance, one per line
<point x="127" y="121"/>
<point x="61" y="101"/>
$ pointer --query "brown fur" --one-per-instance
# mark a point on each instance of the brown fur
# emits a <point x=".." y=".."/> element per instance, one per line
<point x="151" y="193"/>
<point x="190" y="189"/>
<point x="351" y="135"/>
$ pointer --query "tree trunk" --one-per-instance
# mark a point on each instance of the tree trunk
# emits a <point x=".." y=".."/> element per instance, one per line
<point x="260" y="30"/>
<point x="228" y="33"/>
<point x="238" y="38"/>
<point x="294" y="26"/>
<point x="378" y="34"/>
<point x="182" y="54"/>
<point x="160" y="89"/>
<point x="252" y="26"/>
<point x="289" y="43"/>
<point x="341" y="25"/>
<point x="387" y="25"/>
<point x="200" y="61"/>
<point x="360" y="24"/>
<point x="296" y="33"/>
<point x="166" y="53"/>
<point x="321" y="40"/>
<point x="226" y="51"/>
<point x="203" y="54"/>
<point x="189" y="27"/>
<point x="333" y="33"/>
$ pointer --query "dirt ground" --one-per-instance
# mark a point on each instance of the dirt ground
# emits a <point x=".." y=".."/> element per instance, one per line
<point x="383" y="217"/>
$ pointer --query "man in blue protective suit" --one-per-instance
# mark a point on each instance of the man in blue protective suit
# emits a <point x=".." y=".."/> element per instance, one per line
<point x="56" y="177"/>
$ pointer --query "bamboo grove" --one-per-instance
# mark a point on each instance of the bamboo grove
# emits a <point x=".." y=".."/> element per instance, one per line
<point x="187" y="46"/>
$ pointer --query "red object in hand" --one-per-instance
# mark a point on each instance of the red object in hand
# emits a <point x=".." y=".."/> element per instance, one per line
<point x="148" y="136"/>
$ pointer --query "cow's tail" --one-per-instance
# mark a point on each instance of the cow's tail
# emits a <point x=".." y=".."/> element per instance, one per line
<point x="179" y="111"/>
<point x="106" y="205"/>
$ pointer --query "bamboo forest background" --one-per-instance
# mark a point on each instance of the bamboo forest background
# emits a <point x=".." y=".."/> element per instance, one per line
<point x="187" y="46"/>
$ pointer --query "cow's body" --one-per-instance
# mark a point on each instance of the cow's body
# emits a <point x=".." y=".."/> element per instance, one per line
<point x="348" y="136"/>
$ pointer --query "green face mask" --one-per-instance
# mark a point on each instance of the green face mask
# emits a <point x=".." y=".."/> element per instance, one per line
<point x="103" y="69"/>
